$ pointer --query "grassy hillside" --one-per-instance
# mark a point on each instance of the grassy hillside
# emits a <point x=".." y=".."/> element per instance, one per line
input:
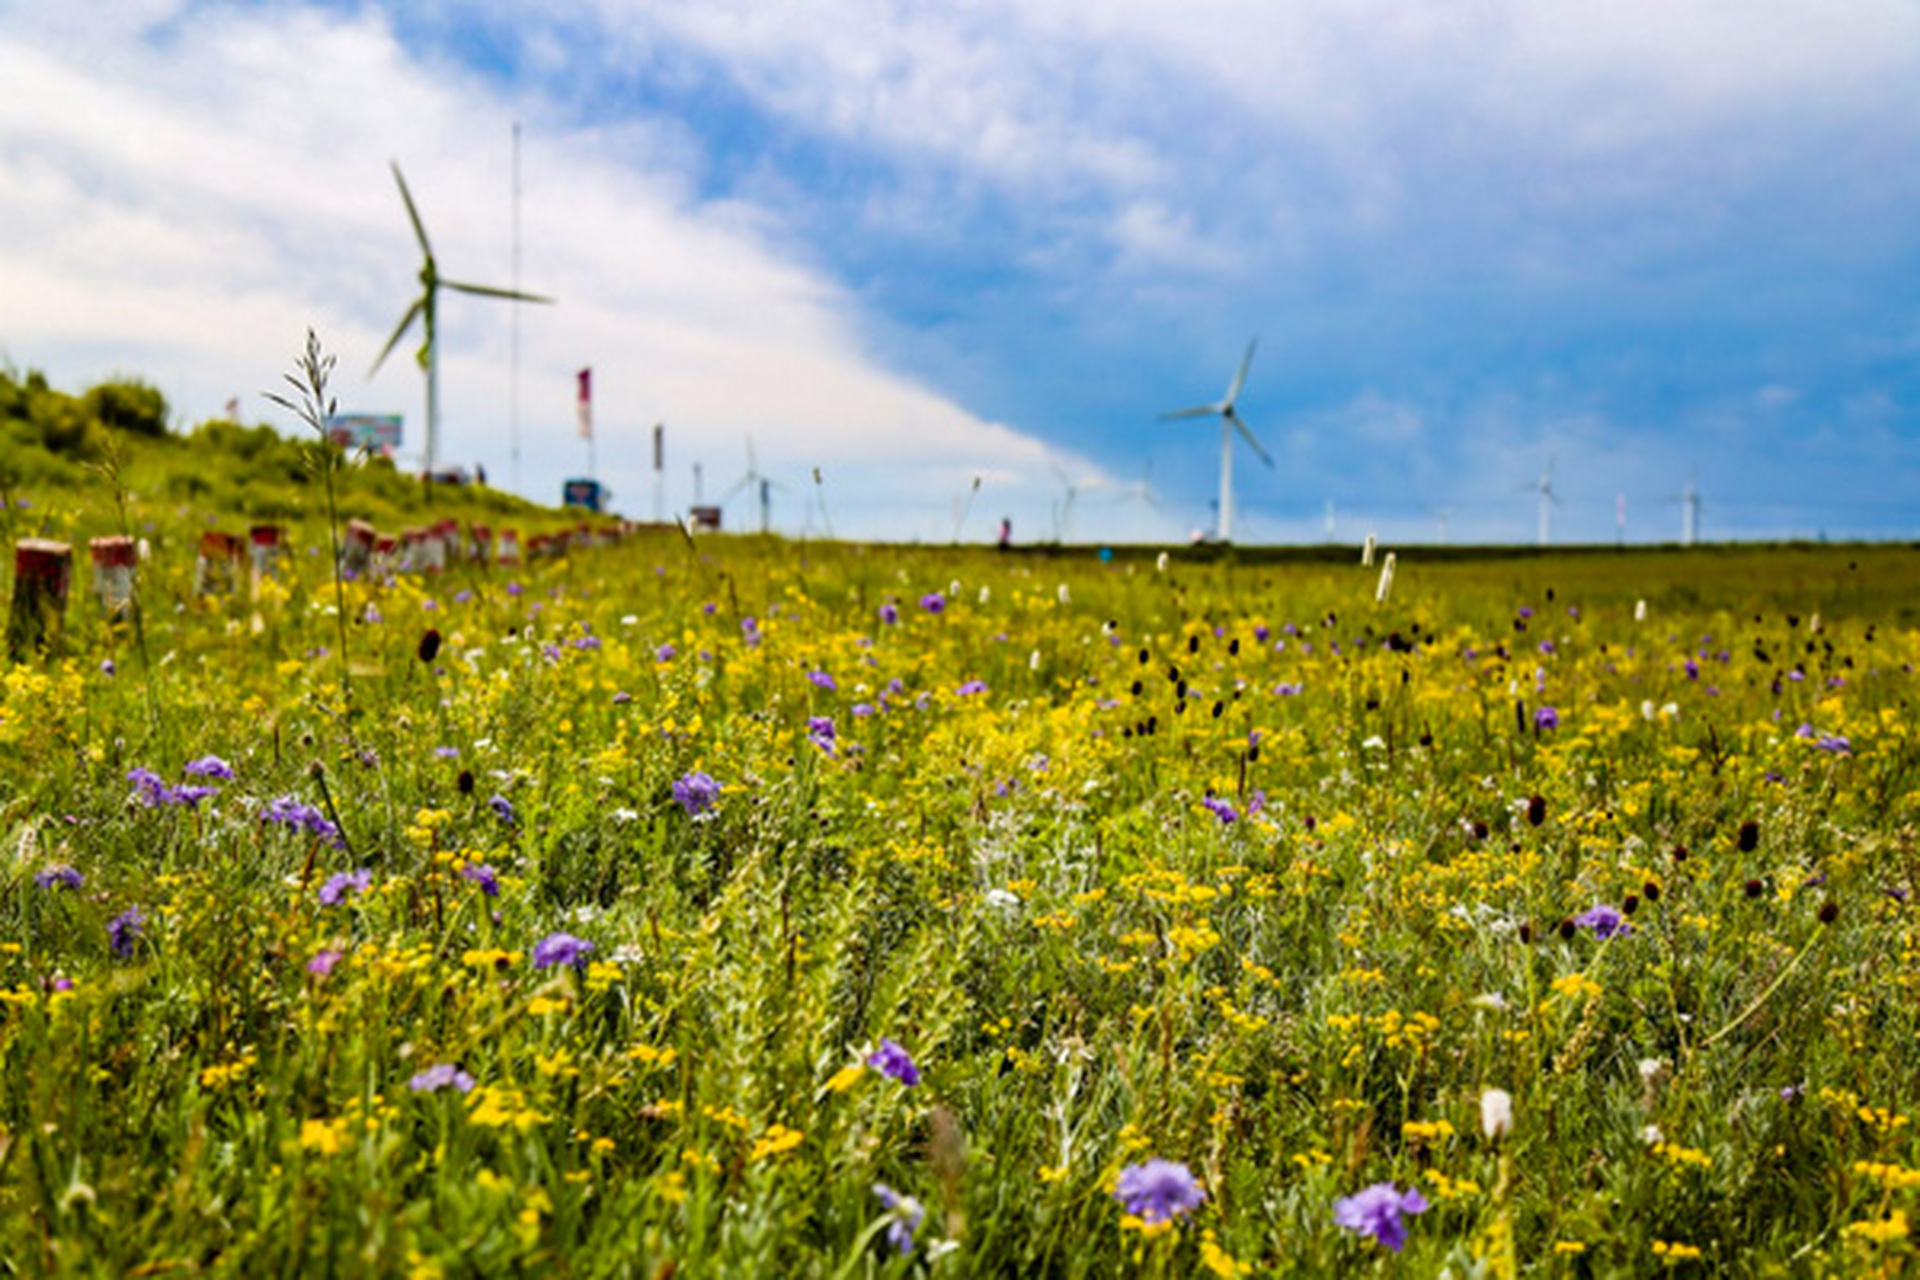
<point x="64" y="456"/>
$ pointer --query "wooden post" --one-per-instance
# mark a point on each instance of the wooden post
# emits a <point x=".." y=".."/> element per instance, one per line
<point x="385" y="548"/>
<point x="216" y="571"/>
<point x="356" y="548"/>
<point x="42" y="571"/>
<point x="268" y="545"/>
<point x="113" y="561"/>
<point x="482" y="545"/>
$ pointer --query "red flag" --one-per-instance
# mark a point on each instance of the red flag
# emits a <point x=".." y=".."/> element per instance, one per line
<point x="586" y="404"/>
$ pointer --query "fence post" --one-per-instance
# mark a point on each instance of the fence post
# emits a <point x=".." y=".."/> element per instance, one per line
<point x="113" y="561"/>
<point x="42" y="571"/>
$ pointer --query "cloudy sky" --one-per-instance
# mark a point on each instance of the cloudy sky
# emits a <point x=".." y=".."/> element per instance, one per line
<point x="912" y="244"/>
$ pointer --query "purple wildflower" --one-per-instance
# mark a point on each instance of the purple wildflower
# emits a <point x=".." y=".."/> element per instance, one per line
<point x="822" y="680"/>
<point x="889" y="613"/>
<point x="484" y="876"/>
<point x="58" y="876"/>
<point x="1158" y="1191"/>
<point x="341" y="883"/>
<point x="124" y="930"/>
<point x="305" y="817"/>
<point x="1379" y="1211"/>
<point x="970" y="688"/>
<point x="1546" y="718"/>
<point x="861" y="710"/>
<point x="323" y="961"/>
<point x="210" y="767"/>
<point x="933" y="602"/>
<point x="1286" y="689"/>
<point x="447" y="753"/>
<point x="1221" y="809"/>
<point x="502" y="809"/>
<point x="892" y="1060"/>
<point x="1605" y="921"/>
<point x="907" y="1216"/>
<point x="664" y="653"/>
<point x="106" y="667"/>
<point x="1835" y="743"/>
<point x="821" y="733"/>
<point x="442" y="1075"/>
<point x="148" y="784"/>
<point x="189" y="796"/>
<point x="696" y="793"/>
<point x="561" y="949"/>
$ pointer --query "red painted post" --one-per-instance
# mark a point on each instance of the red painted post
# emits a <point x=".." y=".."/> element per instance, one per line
<point x="42" y="571"/>
<point x="113" y="562"/>
<point x="216" y="571"/>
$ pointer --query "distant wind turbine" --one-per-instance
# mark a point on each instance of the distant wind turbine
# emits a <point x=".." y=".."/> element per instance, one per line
<point x="1070" y="488"/>
<point x="755" y="480"/>
<point x="425" y="308"/>
<point x="1143" y="491"/>
<point x="1689" y="500"/>
<point x="1548" y="500"/>
<point x="1230" y="421"/>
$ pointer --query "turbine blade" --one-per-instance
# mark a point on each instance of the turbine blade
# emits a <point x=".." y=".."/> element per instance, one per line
<point x="488" y="291"/>
<point x="1248" y="435"/>
<point x="1240" y="378"/>
<point x="419" y="231"/>
<point x="399" y="332"/>
<point x="1198" y="411"/>
<point x="738" y="485"/>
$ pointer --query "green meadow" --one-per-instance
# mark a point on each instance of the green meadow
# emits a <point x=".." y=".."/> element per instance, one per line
<point x="732" y="906"/>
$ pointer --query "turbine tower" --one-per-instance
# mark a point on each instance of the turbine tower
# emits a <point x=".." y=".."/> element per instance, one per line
<point x="1690" y="511"/>
<point x="425" y="307"/>
<point x="1548" y="500"/>
<point x="757" y="481"/>
<point x="1230" y="421"/>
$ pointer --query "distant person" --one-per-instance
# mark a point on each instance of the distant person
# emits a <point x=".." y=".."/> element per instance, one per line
<point x="1006" y="533"/>
<point x="480" y="474"/>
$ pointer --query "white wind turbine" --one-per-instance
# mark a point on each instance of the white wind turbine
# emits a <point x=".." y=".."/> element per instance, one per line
<point x="1689" y="500"/>
<point x="1070" y="489"/>
<point x="1548" y="501"/>
<point x="1143" y="491"/>
<point x="755" y="479"/>
<point x="1230" y="421"/>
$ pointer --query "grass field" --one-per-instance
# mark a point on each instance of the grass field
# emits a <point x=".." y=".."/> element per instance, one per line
<point x="750" y="908"/>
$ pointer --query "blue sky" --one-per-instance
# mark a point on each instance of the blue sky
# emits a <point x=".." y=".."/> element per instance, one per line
<point x="910" y="244"/>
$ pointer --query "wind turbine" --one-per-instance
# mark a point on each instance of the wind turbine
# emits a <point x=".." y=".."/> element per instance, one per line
<point x="1230" y="422"/>
<point x="1143" y="491"/>
<point x="1548" y="500"/>
<point x="1689" y="500"/>
<point x="756" y="480"/>
<point x="424" y="307"/>
<point x="1063" y="511"/>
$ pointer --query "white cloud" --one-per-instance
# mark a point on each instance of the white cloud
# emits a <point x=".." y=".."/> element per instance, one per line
<point x="184" y="205"/>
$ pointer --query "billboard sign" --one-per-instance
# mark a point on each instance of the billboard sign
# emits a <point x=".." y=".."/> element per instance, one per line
<point x="377" y="433"/>
<point x="586" y="494"/>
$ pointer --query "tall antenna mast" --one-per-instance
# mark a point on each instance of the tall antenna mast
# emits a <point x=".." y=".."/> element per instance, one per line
<point x="513" y="399"/>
